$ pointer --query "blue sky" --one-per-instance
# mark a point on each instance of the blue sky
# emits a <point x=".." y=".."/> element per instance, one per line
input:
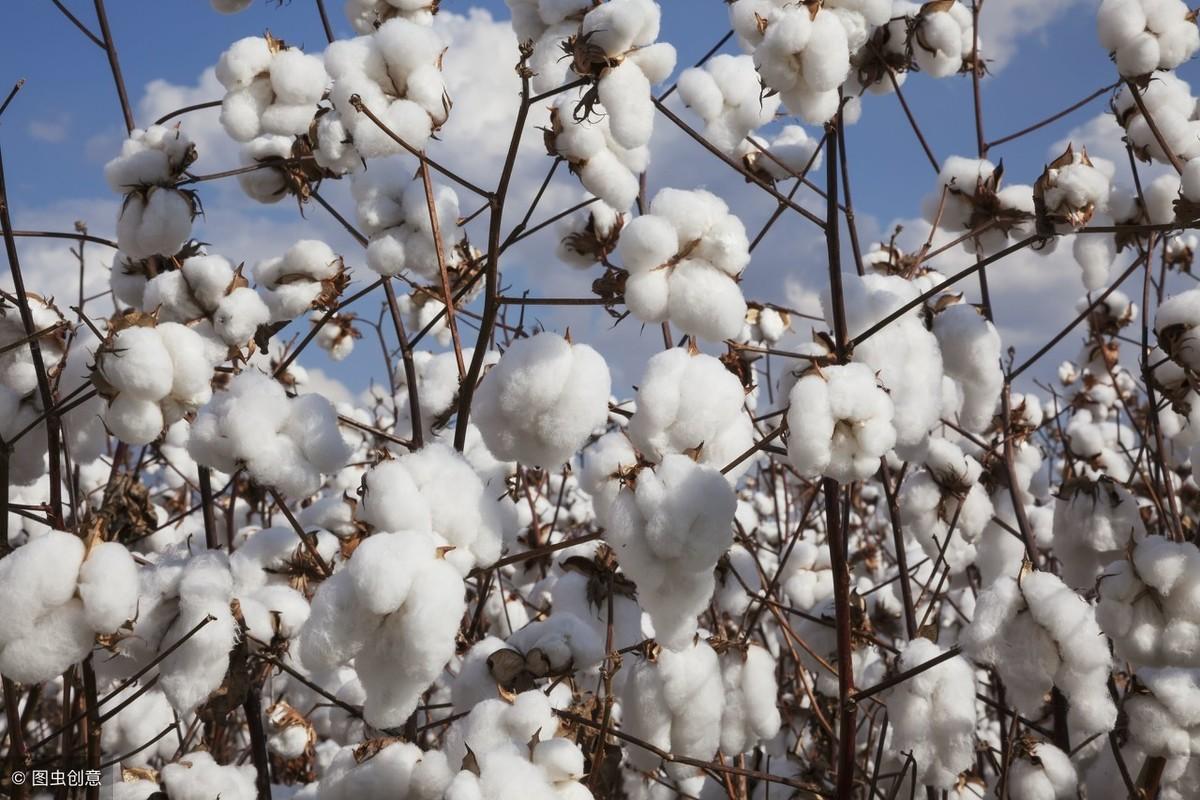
<point x="66" y="123"/>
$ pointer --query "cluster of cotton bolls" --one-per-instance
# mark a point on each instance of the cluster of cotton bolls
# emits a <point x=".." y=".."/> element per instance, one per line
<point x="394" y="610"/>
<point x="969" y="196"/>
<point x="156" y="216"/>
<point x="669" y="527"/>
<point x="1168" y="100"/>
<point x="684" y="259"/>
<point x="726" y="94"/>
<point x="1038" y="633"/>
<point x="286" y="443"/>
<point x="153" y="376"/>
<point x="435" y="490"/>
<point x="395" y="72"/>
<point x="605" y="168"/>
<point x="934" y="714"/>
<point x="308" y="275"/>
<point x="802" y="55"/>
<point x="1148" y="603"/>
<point x="689" y="403"/>
<point x="394" y="211"/>
<point x="542" y="400"/>
<point x="20" y="403"/>
<point x="840" y="423"/>
<point x="1147" y="35"/>
<point x="945" y="506"/>
<point x="61" y="592"/>
<point x="270" y="88"/>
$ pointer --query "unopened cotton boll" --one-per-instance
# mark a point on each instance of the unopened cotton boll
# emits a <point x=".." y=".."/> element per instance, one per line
<point x="839" y="423"/>
<point x="688" y="402"/>
<point x="934" y="714"/>
<point x="542" y="400"/>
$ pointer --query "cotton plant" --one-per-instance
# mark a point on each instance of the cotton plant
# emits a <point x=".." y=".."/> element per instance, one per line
<point x="685" y="258"/>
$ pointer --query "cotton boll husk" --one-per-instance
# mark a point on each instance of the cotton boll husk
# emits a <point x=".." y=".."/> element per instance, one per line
<point x="108" y="587"/>
<point x="625" y="93"/>
<point x="134" y="420"/>
<point x="62" y="637"/>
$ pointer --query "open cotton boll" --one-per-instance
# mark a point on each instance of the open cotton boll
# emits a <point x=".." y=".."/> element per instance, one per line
<point x="294" y="282"/>
<point x="36" y="577"/>
<point x="1148" y="604"/>
<point x="749" y="715"/>
<point x="155" y="156"/>
<point x="239" y="315"/>
<point x="62" y="637"/>
<point x="603" y="462"/>
<point x="1072" y="190"/>
<point x="1163" y="716"/>
<point x="1038" y="633"/>
<point x="674" y="703"/>
<point x="1176" y="323"/>
<point x="688" y="402"/>
<point x="136" y="363"/>
<point x="970" y="349"/>
<point x="1043" y="772"/>
<point x="542" y="400"/>
<point x="934" y="714"/>
<point x="668" y="532"/>
<point x="154" y="221"/>
<point x="839" y="423"/>
<point x="1094" y="523"/>
<point x="725" y="93"/>
<point x="270" y="88"/>
<point x="392" y="769"/>
<point x="435" y="489"/>
<point x="1094" y="255"/>
<point x="108" y="587"/>
<point x="625" y="92"/>
<point x="196" y="776"/>
<point x="945" y="499"/>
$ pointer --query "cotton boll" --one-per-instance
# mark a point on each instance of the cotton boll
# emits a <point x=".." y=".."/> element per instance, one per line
<point x="1094" y="255"/>
<point x="1047" y="774"/>
<point x="839" y="423"/>
<point x="1118" y="22"/>
<point x="239" y="315"/>
<point x="691" y="402"/>
<point x="606" y="177"/>
<point x="625" y="93"/>
<point x="196" y="776"/>
<point x="749" y="715"/>
<point x="542" y="400"/>
<point x="108" y="583"/>
<point x="297" y="77"/>
<point x="155" y="222"/>
<point x="970" y="348"/>
<point x="705" y="303"/>
<point x="62" y="637"/>
<point x="243" y="61"/>
<point x="934" y="714"/>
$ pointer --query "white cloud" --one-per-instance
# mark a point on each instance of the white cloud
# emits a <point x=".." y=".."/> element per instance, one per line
<point x="1003" y="24"/>
<point x="52" y="130"/>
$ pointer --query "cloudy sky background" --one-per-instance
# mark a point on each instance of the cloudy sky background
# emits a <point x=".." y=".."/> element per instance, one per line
<point x="66" y="123"/>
